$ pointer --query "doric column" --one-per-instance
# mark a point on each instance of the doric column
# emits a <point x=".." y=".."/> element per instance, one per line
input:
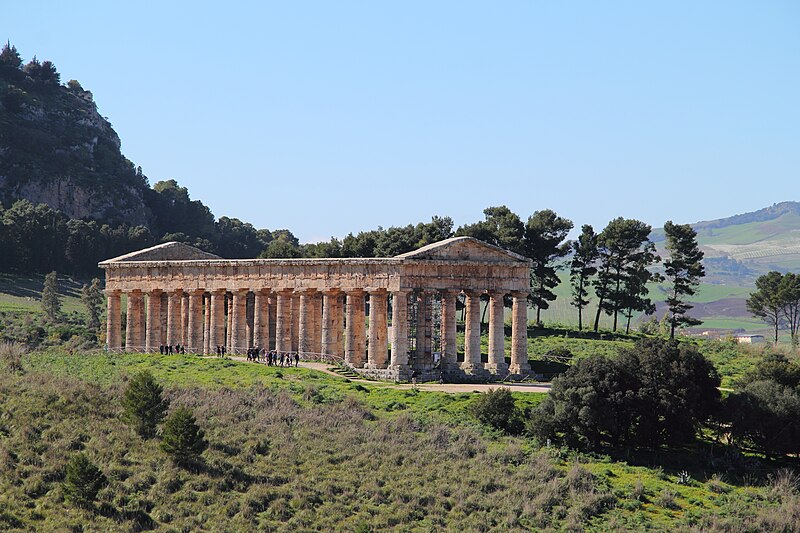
<point x="317" y="344"/>
<point x="423" y="355"/>
<point x="238" y="326"/>
<point x="153" y="335"/>
<point x="354" y="332"/>
<point x="174" y="317"/>
<point x="185" y="319"/>
<point x="283" y="321"/>
<point x="194" y="342"/>
<point x="306" y="326"/>
<point x="134" y="338"/>
<point x="472" y="332"/>
<point x="519" y="334"/>
<point x="378" y="352"/>
<point x="164" y="305"/>
<point x="217" y="325"/>
<point x="113" y="322"/>
<point x="273" y="313"/>
<point x="206" y="324"/>
<point x="330" y="307"/>
<point x="399" y="329"/>
<point x="249" y="322"/>
<point x="497" y="357"/>
<point x="261" y="319"/>
<point x="295" y="322"/>
<point x="449" y="346"/>
<point x="229" y="322"/>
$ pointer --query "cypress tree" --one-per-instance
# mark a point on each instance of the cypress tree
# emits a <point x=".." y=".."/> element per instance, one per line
<point x="143" y="405"/>
<point x="51" y="303"/>
<point x="182" y="437"/>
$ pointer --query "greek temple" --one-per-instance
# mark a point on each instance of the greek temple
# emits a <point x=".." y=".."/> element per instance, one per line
<point x="383" y="317"/>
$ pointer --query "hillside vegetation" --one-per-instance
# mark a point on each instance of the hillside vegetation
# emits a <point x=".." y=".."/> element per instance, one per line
<point x="298" y="450"/>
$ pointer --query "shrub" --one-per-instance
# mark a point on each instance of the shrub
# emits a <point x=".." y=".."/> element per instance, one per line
<point x="182" y="438"/>
<point x="496" y="408"/>
<point x="143" y="404"/>
<point x="657" y="393"/>
<point x="83" y="481"/>
<point x="11" y="354"/>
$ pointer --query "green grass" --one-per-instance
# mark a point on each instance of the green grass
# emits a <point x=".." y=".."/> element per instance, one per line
<point x="23" y="294"/>
<point x="295" y="449"/>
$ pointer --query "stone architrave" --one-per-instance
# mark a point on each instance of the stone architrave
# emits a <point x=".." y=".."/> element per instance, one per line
<point x="519" y="334"/>
<point x="472" y="332"/>
<point x="497" y="357"/>
<point x="174" y="317"/>
<point x="378" y="353"/>
<point x="153" y="333"/>
<point x="113" y="322"/>
<point x="217" y="326"/>
<point x="399" y="359"/>
<point x="194" y="342"/>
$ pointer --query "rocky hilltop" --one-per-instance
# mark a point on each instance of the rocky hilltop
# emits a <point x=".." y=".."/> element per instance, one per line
<point x="55" y="148"/>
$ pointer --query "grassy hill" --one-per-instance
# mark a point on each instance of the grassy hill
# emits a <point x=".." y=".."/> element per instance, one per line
<point x="294" y="449"/>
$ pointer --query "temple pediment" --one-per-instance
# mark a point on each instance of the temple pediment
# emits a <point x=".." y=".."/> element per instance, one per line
<point x="169" y="251"/>
<point x="463" y="249"/>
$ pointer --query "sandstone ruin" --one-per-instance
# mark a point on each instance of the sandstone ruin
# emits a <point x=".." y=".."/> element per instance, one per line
<point x="337" y="308"/>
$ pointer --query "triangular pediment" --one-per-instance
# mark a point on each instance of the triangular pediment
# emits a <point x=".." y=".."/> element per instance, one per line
<point x="169" y="251"/>
<point x="463" y="249"/>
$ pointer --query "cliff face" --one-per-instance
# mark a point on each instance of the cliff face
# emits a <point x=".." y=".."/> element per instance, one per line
<point x="55" y="148"/>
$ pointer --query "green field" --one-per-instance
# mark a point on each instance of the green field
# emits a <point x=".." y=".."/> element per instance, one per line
<point x="295" y="449"/>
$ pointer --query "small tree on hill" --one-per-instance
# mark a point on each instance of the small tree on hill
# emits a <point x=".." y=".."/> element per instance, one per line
<point x="51" y="303"/>
<point x="144" y="407"/>
<point x="767" y="302"/>
<point x="92" y="298"/>
<point x="496" y="408"/>
<point x="83" y="481"/>
<point x="683" y="269"/>
<point x="182" y="438"/>
<point x="10" y="57"/>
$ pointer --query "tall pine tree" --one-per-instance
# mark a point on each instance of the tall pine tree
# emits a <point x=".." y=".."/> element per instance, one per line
<point x="582" y="268"/>
<point x="544" y="244"/>
<point x="683" y="269"/>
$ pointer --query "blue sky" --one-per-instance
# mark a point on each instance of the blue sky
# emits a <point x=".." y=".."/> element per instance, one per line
<point x="332" y="117"/>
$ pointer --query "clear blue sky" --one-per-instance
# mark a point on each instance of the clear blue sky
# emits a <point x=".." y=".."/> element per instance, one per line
<point x="331" y="117"/>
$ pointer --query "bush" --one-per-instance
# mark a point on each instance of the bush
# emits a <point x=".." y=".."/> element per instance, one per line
<point x="11" y="355"/>
<point x="766" y="415"/>
<point x="182" y="438"/>
<point x="657" y="393"/>
<point x="83" y="481"/>
<point x="143" y="404"/>
<point x="496" y="408"/>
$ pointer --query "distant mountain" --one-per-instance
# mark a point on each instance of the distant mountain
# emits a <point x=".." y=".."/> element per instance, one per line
<point x="742" y="247"/>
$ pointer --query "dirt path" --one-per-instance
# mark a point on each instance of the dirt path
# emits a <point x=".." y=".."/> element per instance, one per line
<point x="445" y="387"/>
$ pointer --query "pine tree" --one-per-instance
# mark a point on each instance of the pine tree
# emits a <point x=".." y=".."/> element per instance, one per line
<point x="182" y="438"/>
<point x="620" y="245"/>
<point x="10" y="57"/>
<point x="683" y="269"/>
<point x="51" y="302"/>
<point x="584" y="255"/>
<point x="92" y="298"/>
<point x="768" y="300"/>
<point x="83" y="481"/>
<point x="544" y="244"/>
<point x="143" y="404"/>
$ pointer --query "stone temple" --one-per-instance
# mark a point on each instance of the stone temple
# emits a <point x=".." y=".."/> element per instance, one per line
<point x="383" y="317"/>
